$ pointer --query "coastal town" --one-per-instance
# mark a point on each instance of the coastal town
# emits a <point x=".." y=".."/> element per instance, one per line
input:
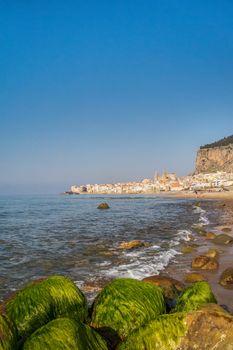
<point x="167" y="182"/>
<point x="213" y="172"/>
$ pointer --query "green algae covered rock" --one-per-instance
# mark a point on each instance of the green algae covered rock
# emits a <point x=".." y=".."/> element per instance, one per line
<point x="126" y="304"/>
<point x="42" y="301"/>
<point x="208" y="328"/>
<point x="65" y="334"/>
<point x="163" y="333"/>
<point x="194" y="297"/>
<point x="7" y="334"/>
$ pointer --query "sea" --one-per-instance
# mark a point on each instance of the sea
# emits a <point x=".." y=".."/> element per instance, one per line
<point x="61" y="234"/>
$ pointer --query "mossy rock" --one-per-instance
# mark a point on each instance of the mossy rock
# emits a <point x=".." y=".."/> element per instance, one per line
<point x="226" y="278"/>
<point x="210" y="235"/>
<point x="65" y="334"/>
<point x="194" y="296"/>
<point x="42" y="301"/>
<point x="163" y="333"/>
<point x="103" y="206"/>
<point x="8" y="336"/>
<point x="208" y="328"/>
<point x="186" y="249"/>
<point x="223" y="239"/>
<point x="126" y="304"/>
<point x="194" y="277"/>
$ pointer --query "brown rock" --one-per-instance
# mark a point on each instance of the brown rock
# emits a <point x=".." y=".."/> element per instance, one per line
<point x="171" y="287"/>
<point x="209" y="328"/>
<point x="210" y="235"/>
<point x="131" y="244"/>
<point x="103" y="206"/>
<point x="226" y="229"/>
<point x="226" y="278"/>
<point x="222" y="239"/>
<point x="211" y="253"/>
<point x="205" y="263"/>
<point x="193" y="277"/>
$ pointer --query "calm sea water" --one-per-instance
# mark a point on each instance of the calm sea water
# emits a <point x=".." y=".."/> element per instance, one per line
<point x="43" y="235"/>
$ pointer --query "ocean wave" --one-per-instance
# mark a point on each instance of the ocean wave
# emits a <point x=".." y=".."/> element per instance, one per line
<point x="203" y="219"/>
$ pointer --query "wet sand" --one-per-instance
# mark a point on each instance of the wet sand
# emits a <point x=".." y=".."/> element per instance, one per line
<point x="182" y="264"/>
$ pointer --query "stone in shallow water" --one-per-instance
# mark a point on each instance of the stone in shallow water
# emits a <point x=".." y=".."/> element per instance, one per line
<point x="194" y="277"/>
<point x="223" y="239"/>
<point x="210" y="235"/>
<point x="226" y="278"/>
<point x="187" y="249"/>
<point x="211" y="253"/>
<point x="132" y="244"/>
<point x="103" y="206"/>
<point x="205" y="263"/>
<point x="226" y="229"/>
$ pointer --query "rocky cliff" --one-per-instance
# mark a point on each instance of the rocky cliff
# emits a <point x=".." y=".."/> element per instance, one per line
<point x="212" y="159"/>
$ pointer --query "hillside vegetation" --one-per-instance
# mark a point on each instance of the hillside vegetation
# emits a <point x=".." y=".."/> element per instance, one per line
<point x="223" y="142"/>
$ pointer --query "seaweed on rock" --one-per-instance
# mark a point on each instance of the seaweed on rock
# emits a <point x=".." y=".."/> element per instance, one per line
<point x="65" y="334"/>
<point x="163" y="333"/>
<point x="126" y="304"/>
<point x="42" y="301"/>
<point x="194" y="297"/>
<point x="7" y="334"/>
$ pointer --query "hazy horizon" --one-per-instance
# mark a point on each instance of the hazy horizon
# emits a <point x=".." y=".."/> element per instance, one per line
<point x="104" y="92"/>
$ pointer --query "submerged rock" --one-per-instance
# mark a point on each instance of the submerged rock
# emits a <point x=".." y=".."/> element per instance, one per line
<point x="211" y="253"/>
<point x="205" y="263"/>
<point x="222" y="239"/>
<point x="132" y="244"/>
<point x="42" y="301"/>
<point x="199" y="229"/>
<point x="187" y="249"/>
<point x="206" y="329"/>
<point x="103" y="206"/>
<point x="210" y="235"/>
<point x="65" y="334"/>
<point x="194" y="296"/>
<point x="124" y="305"/>
<point x="226" y="278"/>
<point x="171" y="287"/>
<point x="194" y="277"/>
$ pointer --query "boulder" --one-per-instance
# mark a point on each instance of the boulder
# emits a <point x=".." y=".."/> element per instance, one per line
<point x="205" y="263"/>
<point x="226" y="229"/>
<point x="44" y="300"/>
<point x="65" y="334"/>
<point x="131" y="244"/>
<point x="103" y="206"/>
<point x="210" y="235"/>
<point x="208" y="328"/>
<point x="194" y="277"/>
<point x="171" y="287"/>
<point x="124" y="305"/>
<point x="8" y="335"/>
<point x="226" y="278"/>
<point x="194" y="296"/>
<point x="222" y="239"/>
<point x="211" y="253"/>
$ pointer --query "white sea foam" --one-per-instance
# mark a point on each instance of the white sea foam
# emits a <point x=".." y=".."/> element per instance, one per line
<point x="203" y="219"/>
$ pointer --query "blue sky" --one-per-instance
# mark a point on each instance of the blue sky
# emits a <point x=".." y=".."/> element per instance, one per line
<point x="101" y="91"/>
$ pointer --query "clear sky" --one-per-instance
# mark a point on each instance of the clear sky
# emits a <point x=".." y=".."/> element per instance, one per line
<point x="101" y="91"/>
